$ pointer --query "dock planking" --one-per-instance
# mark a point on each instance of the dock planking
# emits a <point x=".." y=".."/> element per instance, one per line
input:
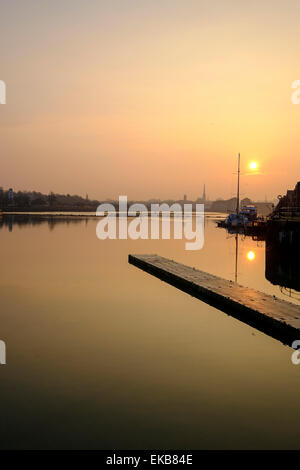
<point x="274" y="317"/>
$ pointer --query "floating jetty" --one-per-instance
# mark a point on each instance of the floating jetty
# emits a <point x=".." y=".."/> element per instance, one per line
<point x="274" y="317"/>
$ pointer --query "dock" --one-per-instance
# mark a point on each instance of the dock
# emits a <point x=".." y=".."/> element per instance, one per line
<point x="275" y="317"/>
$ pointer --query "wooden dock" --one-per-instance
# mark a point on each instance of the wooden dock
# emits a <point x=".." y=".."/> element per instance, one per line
<point x="277" y="318"/>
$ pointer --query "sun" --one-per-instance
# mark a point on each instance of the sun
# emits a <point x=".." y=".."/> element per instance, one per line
<point x="253" y="166"/>
<point x="251" y="255"/>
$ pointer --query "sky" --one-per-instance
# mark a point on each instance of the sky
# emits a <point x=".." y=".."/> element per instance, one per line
<point x="149" y="99"/>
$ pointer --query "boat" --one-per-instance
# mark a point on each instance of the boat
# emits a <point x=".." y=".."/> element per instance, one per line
<point x="244" y="218"/>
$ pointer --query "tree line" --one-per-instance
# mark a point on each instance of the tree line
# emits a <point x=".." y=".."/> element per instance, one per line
<point x="37" y="200"/>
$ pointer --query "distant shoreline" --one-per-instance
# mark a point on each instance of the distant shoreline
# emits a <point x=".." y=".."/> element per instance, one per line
<point x="80" y="213"/>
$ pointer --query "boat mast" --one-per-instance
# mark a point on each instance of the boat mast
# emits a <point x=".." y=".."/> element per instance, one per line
<point x="238" y="188"/>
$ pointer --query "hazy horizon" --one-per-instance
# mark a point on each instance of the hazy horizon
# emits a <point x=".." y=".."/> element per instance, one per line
<point x="149" y="99"/>
<point x="130" y="199"/>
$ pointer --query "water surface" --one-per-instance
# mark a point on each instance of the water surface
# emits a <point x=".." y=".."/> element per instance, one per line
<point x="102" y="355"/>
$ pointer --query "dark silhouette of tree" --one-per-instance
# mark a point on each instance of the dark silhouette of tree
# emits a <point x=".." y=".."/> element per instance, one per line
<point x="51" y="199"/>
<point x="38" y="202"/>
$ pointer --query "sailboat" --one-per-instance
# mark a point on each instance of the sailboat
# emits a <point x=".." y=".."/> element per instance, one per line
<point x="240" y="218"/>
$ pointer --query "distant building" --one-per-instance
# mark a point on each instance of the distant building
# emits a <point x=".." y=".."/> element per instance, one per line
<point x="289" y="205"/>
<point x="202" y="200"/>
<point x="184" y="198"/>
<point x="228" y="205"/>
<point x="204" y="194"/>
<point x="10" y="195"/>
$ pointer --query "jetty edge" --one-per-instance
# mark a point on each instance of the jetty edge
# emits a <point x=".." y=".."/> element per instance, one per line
<point x="275" y="317"/>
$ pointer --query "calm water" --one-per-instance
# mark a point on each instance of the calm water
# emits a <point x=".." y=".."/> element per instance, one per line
<point x="103" y="355"/>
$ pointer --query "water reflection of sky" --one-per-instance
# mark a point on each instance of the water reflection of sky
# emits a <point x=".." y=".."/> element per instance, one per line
<point x="232" y="256"/>
<point x="103" y="355"/>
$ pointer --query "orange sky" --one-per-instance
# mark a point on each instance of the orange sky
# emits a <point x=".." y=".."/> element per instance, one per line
<point x="149" y="99"/>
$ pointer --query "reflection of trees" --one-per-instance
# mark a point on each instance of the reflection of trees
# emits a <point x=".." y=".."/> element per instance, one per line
<point x="27" y="220"/>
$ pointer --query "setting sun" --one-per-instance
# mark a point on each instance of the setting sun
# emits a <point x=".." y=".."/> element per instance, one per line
<point x="251" y="255"/>
<point x="253" y="166"/>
